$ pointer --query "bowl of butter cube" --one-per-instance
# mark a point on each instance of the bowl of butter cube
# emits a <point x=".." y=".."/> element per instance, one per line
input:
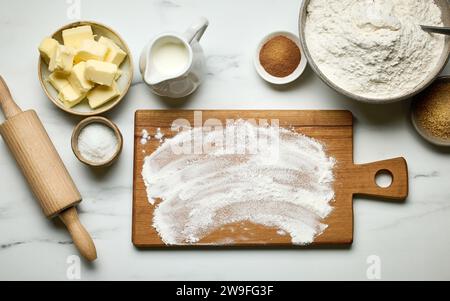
<point x="85" y="68"/>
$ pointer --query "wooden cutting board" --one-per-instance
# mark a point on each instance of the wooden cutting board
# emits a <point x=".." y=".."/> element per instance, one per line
<point x="333" y="128"/>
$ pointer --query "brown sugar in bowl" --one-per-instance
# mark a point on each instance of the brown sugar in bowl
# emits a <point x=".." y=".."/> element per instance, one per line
<point x="280" y="56"/>
<point x="430" y="112"/>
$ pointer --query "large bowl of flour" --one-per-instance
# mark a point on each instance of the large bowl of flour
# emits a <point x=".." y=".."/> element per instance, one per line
<point x="374" y="50"/>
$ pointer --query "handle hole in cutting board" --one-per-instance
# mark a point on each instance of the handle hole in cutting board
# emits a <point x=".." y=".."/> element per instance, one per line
<point x="384" y="178"/>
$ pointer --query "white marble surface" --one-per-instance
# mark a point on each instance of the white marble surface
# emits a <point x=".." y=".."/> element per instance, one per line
<point x="411" y="239"/>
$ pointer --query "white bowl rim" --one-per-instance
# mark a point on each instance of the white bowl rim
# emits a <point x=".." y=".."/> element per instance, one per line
<point x="375" y="101"/>
<point x="280" y="80"/>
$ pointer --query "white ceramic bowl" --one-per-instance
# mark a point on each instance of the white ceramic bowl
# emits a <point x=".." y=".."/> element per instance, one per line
<point x="443" y="5"/>
<point x="101" y="120"/>
<point x="123" y="83"/>
<point x="280" y="80"/>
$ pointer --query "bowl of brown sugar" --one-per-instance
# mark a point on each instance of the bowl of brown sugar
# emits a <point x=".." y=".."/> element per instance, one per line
<point x="279" y="58"/>
<point x="431" y="112"/>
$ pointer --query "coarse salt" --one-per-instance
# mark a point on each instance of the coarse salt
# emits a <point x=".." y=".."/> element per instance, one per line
<point x="97" y="143"/>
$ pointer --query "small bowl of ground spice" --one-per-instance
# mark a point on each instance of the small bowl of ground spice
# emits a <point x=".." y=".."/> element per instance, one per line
<point x="97" y="142"/>
<point x="279" y="58"/>
<point x="431" y="112"/>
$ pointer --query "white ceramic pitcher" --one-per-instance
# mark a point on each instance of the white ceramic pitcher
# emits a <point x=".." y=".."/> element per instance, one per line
<point x="188" y="80"/>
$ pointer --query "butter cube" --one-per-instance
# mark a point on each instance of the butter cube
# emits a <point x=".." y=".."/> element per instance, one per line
<point x="47" y="48"/>
<point x="58" y="81"/>
<point x="102" y="73"/>
<point x="62" y="59"/>
<point x="74" y="37"/>
<point x="101" y="95"/>
<point x="115" y="54"/>
<point x="78" y="79"/>
<point x="119" y="74"/>
<point x="70" y="96"/>
<point x="91" y="50"/>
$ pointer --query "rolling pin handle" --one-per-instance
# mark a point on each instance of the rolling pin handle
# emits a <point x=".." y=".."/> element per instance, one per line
<point x="9" y="107"/>
<point x="80" y="236"/>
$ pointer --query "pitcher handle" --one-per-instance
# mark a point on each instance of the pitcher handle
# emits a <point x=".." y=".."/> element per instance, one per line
<point x="197" y="30"/>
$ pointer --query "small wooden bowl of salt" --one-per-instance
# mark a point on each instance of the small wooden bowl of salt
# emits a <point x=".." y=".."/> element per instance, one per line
<point x="97" y="142"/>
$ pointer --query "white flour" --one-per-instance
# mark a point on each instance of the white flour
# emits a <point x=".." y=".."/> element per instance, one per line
<point x="374" y="48"/>
<point x="200" y="193"/>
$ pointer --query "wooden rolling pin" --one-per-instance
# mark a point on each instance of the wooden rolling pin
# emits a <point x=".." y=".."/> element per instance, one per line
<point x="43" y="168"/>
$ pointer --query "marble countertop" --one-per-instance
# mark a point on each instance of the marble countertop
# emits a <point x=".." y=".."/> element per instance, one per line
<point x="406" y="241"/>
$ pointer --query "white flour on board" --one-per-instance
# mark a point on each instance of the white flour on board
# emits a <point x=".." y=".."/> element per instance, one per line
<point x="202" y="192"/>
